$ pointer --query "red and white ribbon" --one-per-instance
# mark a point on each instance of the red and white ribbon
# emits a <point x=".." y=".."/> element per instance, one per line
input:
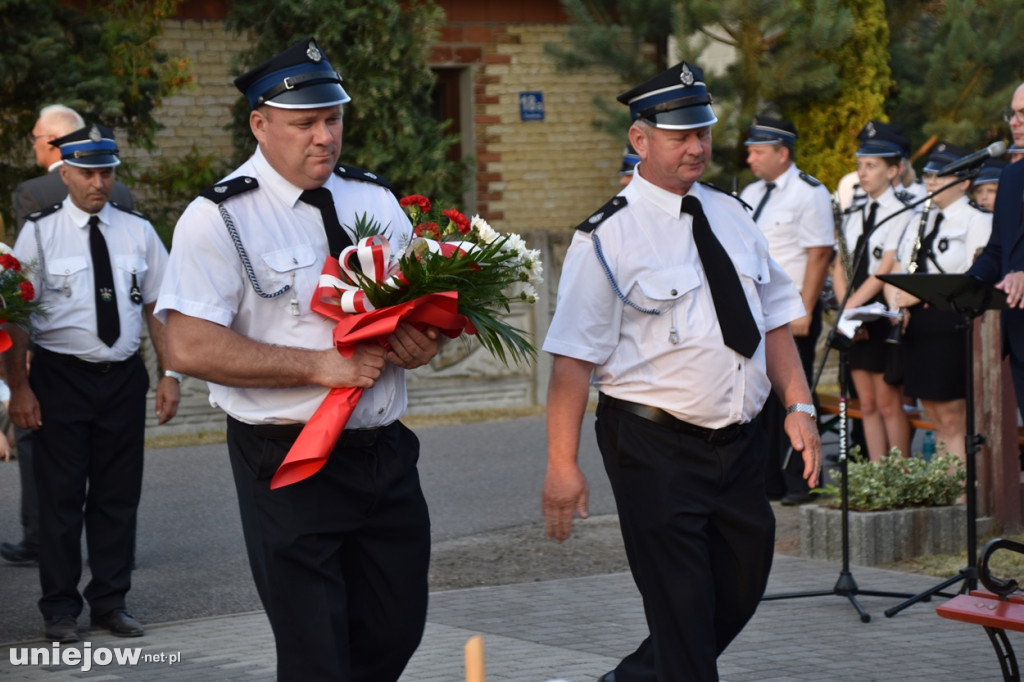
<point x="339" y="283"/>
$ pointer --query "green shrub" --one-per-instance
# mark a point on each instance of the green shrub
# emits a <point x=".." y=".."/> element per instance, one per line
<point x="896" y="482"/>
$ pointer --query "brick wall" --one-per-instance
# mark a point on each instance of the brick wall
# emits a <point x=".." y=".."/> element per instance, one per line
<point x="197" y="115"/>
<point x="546" y="174"/>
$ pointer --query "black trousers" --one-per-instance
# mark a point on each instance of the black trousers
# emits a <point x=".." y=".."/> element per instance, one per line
<point x="699" y="534"/>
<point x="87" y="460"/>
<point x="340" y="559"/>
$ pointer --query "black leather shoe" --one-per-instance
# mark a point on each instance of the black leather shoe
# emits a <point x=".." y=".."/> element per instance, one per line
<point x="119" y="623"/>
<point x="63" y="629"/>
<point x="18" y="554"/>
<point x="607" y="677"/>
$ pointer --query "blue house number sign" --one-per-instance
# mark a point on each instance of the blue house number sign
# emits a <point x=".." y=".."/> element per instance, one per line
<point x="531" y="106"/>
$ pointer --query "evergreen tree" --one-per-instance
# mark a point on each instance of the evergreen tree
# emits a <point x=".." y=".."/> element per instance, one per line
<point x="957" y="65"/>
<point x="781" y="50"/>
<point x="101" y="61"/>
<point x="827" y="128"/>
<point x="380" y="47"/>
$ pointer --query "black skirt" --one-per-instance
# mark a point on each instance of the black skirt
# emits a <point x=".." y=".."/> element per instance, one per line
<point x="935" y="352"/>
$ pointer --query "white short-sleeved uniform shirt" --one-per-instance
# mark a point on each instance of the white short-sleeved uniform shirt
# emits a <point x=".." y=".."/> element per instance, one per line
<point x="964" y="229"/>
<point x="649" y="250"/>
<point x="284" y="241"/>
<point x="56" y="249"/>
<point x="887" y="234"/>
<point x="797" y="216"/>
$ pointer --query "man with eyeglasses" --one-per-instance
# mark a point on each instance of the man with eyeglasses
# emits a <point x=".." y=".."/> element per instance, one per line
<point x="30" y="196"/>
<point x="1002" y="261"/>
<point x="42" y="192"/>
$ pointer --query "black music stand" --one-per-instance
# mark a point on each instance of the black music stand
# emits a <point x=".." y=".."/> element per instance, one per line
<point x="846" y="586"/>
<point x="970" y="297"/>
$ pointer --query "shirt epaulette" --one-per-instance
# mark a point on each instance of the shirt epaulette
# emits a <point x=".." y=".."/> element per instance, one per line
<point x="137" y="214"/>
<point x="43" y="212"/>
<point x="353" y="173"/>
<point x="728" y="194"/>
<point x="614" y="204"/>
<point x="810" y="180"/>
<point x="229" y="188"/>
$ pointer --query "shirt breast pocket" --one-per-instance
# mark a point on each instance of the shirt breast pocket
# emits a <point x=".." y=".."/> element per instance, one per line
<point x="754" y="273"/>
<point x="68" y="274"/>
<point x="130" y="271"/>
<point x="281" y="267"/>
<point x="674" y="292"/>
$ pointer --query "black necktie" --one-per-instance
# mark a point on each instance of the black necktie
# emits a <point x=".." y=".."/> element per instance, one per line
<point x="928" y="245"/>
<point x="860" y="250"/>
<point x="739" y="331"/>
<point x="764" y="200"/>
<point x="108" y="322"/>
<point x="321" y="197"/>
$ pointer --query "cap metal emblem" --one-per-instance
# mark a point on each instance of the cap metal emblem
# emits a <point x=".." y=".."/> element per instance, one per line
<point x="686" y="76"/>
<point x="94" y="134"/>
<point x="870" y="128"/>
<point x="313" y="53"/>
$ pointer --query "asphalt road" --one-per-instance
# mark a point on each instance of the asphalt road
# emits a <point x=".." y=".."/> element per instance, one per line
<point x="191" y="559"/>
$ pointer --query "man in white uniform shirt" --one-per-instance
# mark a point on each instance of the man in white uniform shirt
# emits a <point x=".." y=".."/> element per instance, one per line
<point x="339" y="559"/>
<point x="97" y="270"/>
<point x="794" y="211"/>
<point x="671" y="306"/>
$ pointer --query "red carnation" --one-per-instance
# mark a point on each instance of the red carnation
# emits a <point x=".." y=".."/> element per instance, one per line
<point x="460" y="221"/>
<point x="416" y="200"/>
<point x="28" y="292"/>
<point x="428" y="231"/>
<point x="9" y="262"/>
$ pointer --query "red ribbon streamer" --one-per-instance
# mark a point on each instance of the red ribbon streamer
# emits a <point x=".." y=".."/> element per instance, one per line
<point x="313" y="447"/>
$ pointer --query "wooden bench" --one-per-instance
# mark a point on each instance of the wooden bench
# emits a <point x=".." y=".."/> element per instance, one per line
<point x="828" y="403"/>
<point x="998" y="608"/>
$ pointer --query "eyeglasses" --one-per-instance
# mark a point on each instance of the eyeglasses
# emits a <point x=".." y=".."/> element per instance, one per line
<point x="1010" y="115"/>
<point x="35" y="138"/>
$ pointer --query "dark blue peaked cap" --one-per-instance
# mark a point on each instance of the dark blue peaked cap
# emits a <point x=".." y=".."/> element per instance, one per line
<point x="766" y="130"/>
<point x="883" y="139"/>
<point x="629" y="160"/>
<point x="298" y="78"/>
<point x="90" y="147"/>
<point x="944" y="154"/>
<point x="676" y="99"/>
<point x="990" y="171"/>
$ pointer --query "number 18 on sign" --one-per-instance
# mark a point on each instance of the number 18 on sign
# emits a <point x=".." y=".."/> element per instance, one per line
<point x="531" y="106"/>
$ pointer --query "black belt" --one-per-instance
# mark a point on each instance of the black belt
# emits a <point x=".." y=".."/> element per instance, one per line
<point x="350" y="438"/>
<point x="101" y="367"/>
<point x="722" y="436"/>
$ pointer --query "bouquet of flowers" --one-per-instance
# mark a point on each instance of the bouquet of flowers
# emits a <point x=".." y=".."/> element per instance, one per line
<point x="455" y="274"/>
<point x="17" y="295"/>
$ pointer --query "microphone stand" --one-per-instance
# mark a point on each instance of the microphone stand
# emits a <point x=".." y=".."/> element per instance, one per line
<point x="845" y="586"/>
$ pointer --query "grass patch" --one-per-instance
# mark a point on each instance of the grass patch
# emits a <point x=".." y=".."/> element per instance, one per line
<point x="183" y="440"/>
<point x="1004" y="564"/>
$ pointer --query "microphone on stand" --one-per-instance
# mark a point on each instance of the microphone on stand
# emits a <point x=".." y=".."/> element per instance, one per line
<point x="974" y="160"/>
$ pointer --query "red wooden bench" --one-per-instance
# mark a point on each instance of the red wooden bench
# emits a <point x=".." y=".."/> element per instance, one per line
<point x="998" y="608"/>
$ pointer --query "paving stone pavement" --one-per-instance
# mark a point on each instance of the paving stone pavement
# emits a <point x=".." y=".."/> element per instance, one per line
<point x="576" y="629"/>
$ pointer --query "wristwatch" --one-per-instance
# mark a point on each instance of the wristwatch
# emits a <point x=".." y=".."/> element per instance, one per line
<point x="803" y="407"/>
<point x="177" y="376"/>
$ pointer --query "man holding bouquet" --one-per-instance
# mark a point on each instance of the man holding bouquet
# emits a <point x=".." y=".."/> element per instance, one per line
<point x="670" y="305"/>
<point x="340" y="558"/>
